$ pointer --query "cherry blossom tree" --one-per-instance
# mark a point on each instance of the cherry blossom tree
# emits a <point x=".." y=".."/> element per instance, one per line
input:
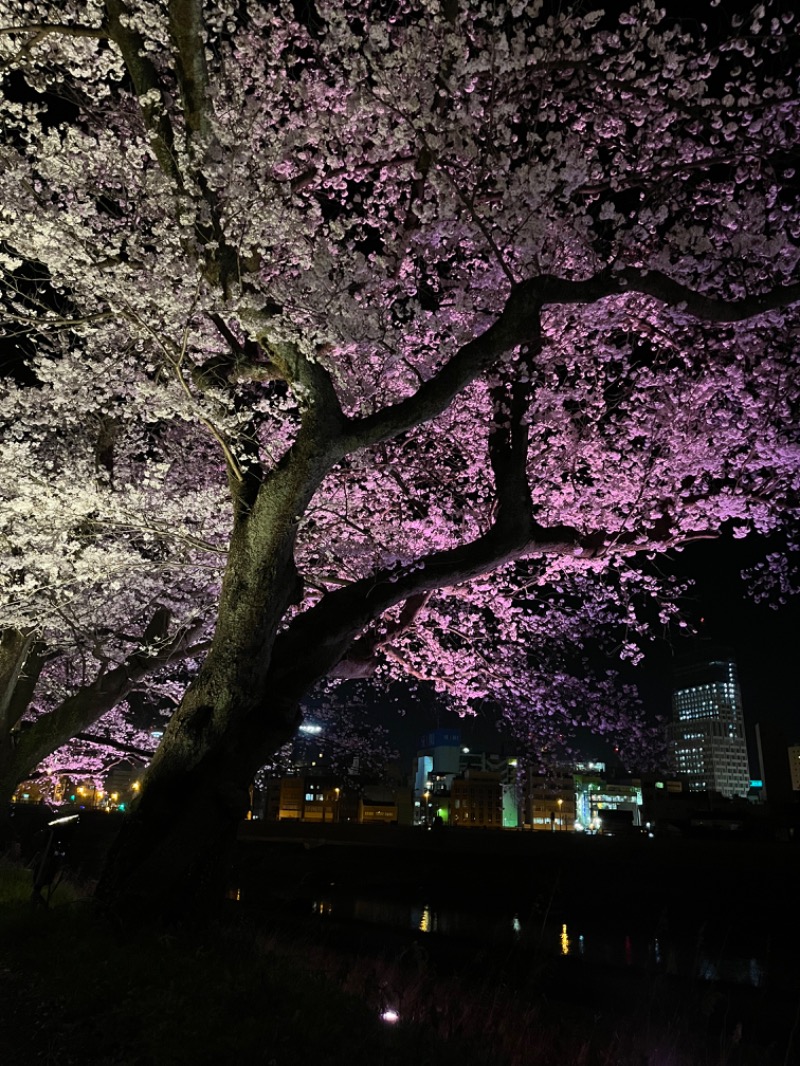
<point x="102" y="586"/>
<point x="58" y="721"/>
<point x="462" y="308"/>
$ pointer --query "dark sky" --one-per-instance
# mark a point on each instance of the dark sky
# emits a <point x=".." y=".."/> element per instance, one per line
<point x="765" y="639"/>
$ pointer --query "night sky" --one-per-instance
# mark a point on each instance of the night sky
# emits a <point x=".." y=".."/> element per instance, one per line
<point x="764" y="638"/>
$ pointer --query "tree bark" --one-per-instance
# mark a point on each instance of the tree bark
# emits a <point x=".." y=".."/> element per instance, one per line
<point x="20" y="666"/>
<point x="170" y="857"/>
<point x="171" y="850"/>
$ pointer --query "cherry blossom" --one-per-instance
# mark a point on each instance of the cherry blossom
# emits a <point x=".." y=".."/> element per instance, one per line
<point x="366" y="342"/>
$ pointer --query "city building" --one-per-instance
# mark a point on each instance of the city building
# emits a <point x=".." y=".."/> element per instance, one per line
<point x="606" y="807"/>
<point x="779" y="773"/>
<point x="550" y="802"/>
<point x="707" y="732"/>
<point x="311" y="798"/>
<point x="483" y="784"/>
<point x="378" y="807"/>
<point x="332" y="799"/>
<point x="794" y="766"/>
<point x="476" y="800"/>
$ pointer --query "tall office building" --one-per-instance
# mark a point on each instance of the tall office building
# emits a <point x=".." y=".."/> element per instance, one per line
<point x="707" y="732"/>
<point x="794" y="766"/>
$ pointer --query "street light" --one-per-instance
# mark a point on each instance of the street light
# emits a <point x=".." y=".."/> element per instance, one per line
<point x="560" y="819"/>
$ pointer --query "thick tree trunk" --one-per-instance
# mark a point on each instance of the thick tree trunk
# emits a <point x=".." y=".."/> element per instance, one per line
<point x="8" y="785"/>
<point x="170" y="860"/>
<point x="174" y="843"/>
<point x="170" y="856"/>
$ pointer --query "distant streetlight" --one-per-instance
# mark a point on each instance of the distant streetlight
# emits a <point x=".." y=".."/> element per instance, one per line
<point x="560" y="819"/>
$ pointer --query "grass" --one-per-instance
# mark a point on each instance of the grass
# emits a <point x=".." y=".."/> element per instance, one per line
<point x="75" y="990"/>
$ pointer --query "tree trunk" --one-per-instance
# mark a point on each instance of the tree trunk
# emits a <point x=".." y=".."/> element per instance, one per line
<point x="171" y="853"/>
<point x="170" y="856"/>
<point x="170" y="860"/>
<point x="20" y="665"/>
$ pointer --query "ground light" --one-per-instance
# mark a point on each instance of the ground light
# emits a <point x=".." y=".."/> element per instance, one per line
<point x="390" y="1016"/>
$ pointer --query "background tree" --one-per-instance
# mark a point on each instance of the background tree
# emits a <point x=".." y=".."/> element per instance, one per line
<point x="47" y="702"/>
<point x="102" y="584"/>
<point x="474" y="303"/>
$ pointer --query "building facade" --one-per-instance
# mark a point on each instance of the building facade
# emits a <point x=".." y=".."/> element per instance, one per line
<point x="454" y="785"/>
<point x="794" y="766"/>
<point x="550" y="802"/>
<point x="476" y="800"/>
<point x="707" y="735"/>
<point x="606" y="807"/>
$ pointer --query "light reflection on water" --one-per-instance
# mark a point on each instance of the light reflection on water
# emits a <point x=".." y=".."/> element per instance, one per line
<point x="694" y="958"/>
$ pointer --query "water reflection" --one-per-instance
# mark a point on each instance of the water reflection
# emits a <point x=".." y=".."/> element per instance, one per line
<point x="564" y="940"/>
<point x="686" y="958"/>
<point x="428" y="921"/>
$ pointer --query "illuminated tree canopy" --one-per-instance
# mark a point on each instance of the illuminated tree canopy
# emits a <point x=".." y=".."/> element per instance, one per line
<point x="379" y="339"/>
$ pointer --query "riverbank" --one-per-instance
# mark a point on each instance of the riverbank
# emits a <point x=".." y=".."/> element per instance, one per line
<point x="305" y="923"/>
<point x="614" y="872"/>
<point x="74" y="989"/>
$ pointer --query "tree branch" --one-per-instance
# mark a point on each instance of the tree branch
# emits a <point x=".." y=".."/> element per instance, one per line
<point x="244" y="361"/>
<point x="315" y="392"/>
<point x="85" y="706"/>
<point x="517" y="323"/>
<point x="185" y="27"/>
<point x="316" y="641"/>
<point x="147" y="86"/>
<point x="360" y="661"/>
<point x="16" y="647"/>
<point x="552" y="290"/>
